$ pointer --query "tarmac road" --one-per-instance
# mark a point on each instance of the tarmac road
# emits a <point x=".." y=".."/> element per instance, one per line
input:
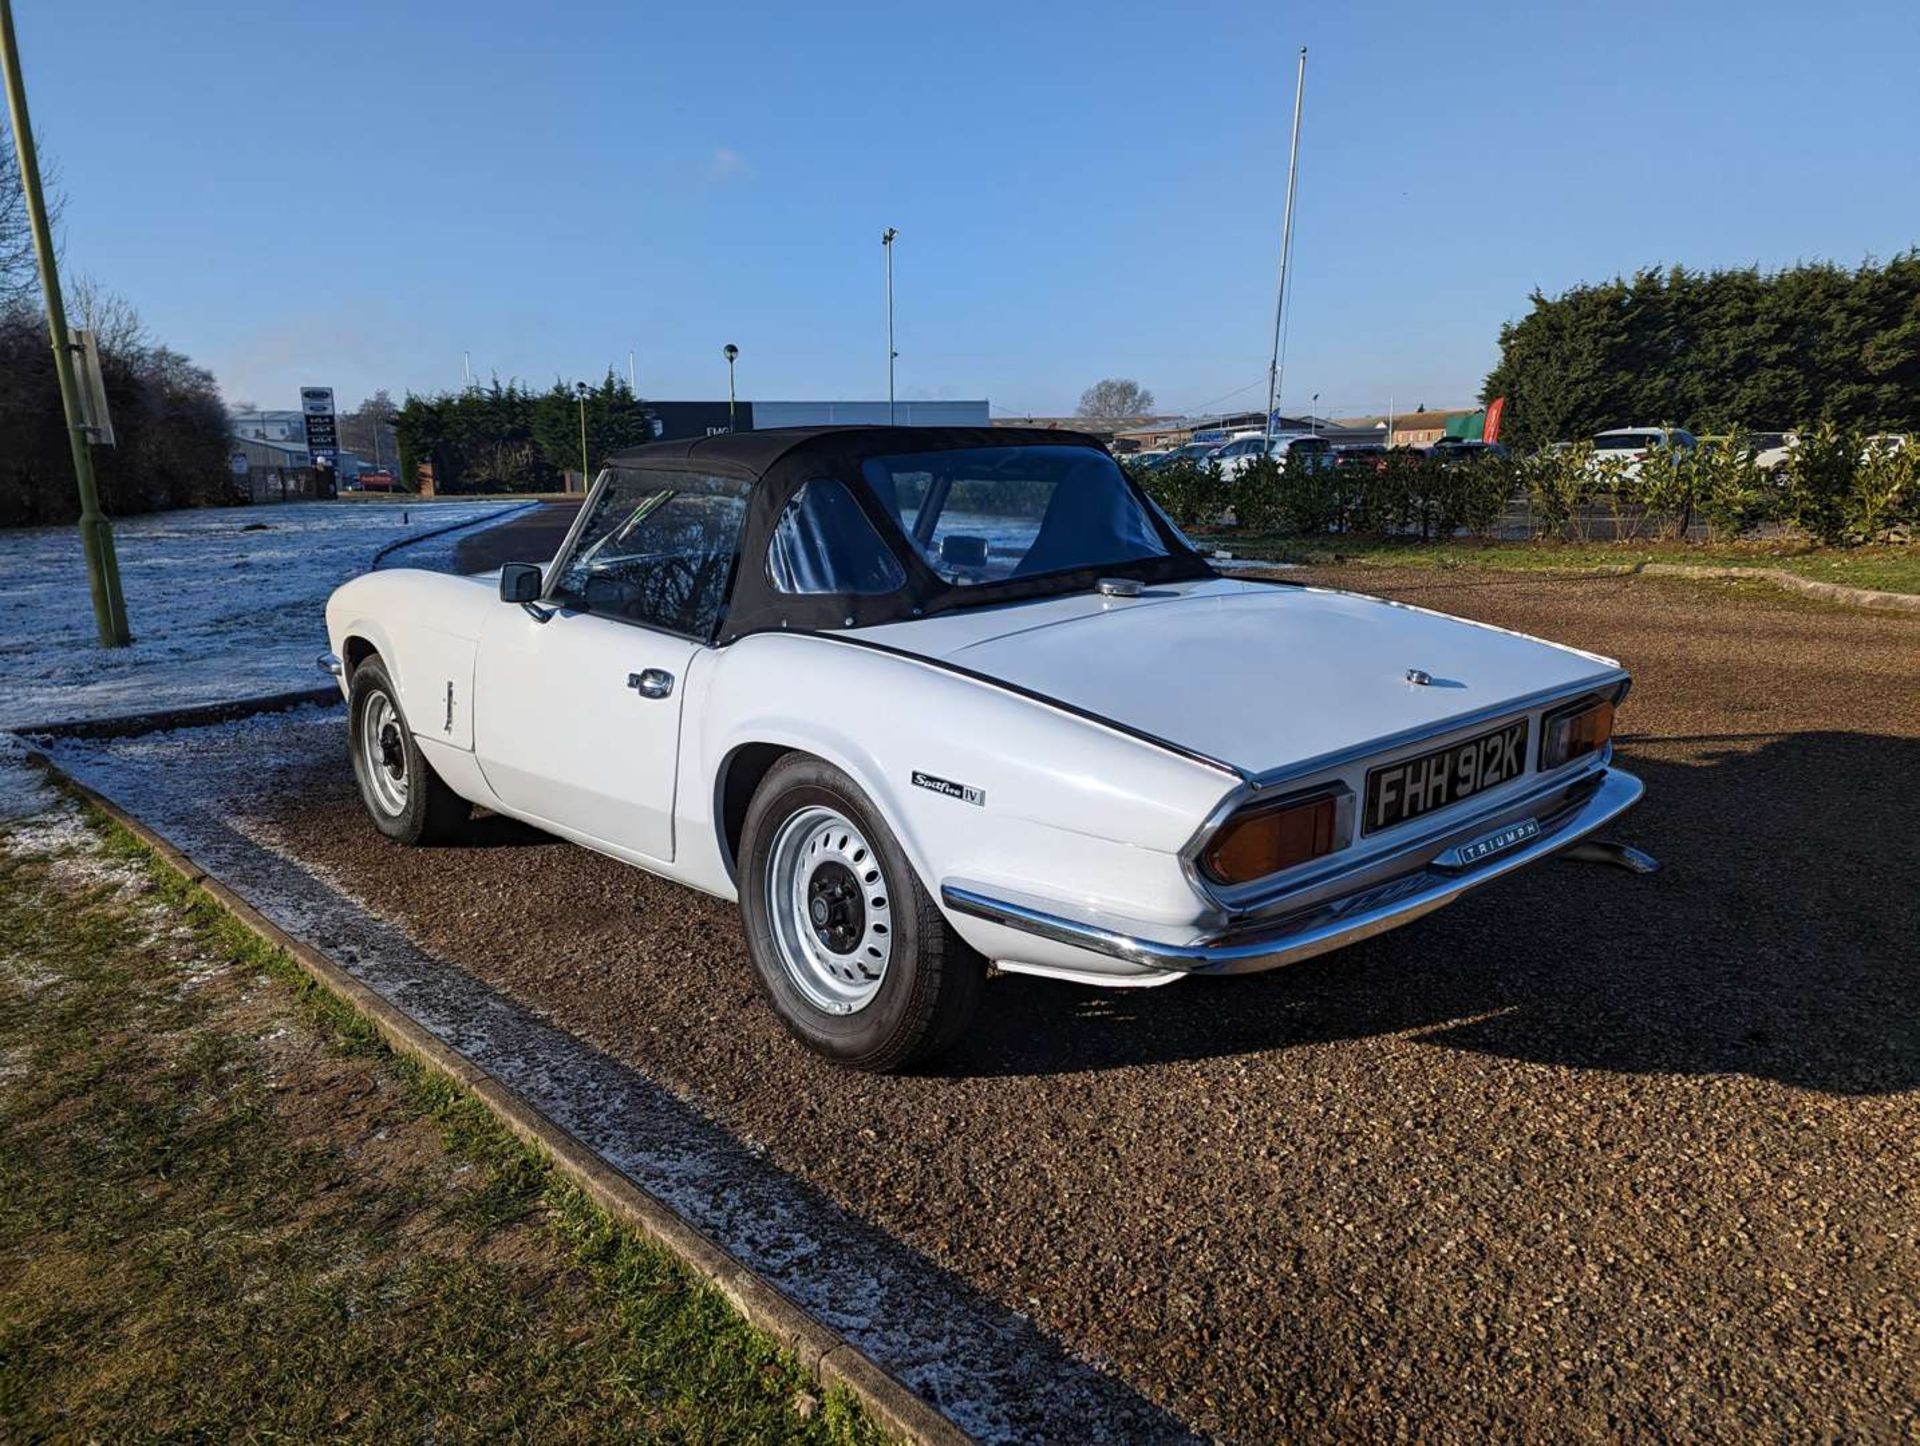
<point x="1584" y="1154"/>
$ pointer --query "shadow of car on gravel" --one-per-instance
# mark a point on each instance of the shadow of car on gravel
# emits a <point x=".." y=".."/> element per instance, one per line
<point x="497" y="831"/>
<point x="1781" y="940"/>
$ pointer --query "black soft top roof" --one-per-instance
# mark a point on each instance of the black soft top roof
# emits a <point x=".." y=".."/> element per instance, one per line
<point x="774" y="464"/>
<point x="753" y="455"/>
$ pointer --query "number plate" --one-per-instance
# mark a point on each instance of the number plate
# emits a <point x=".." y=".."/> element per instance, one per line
<point x="1398" y="792"/>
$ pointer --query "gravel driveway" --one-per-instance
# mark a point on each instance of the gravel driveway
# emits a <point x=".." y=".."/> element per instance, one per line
<point x="1584" y="1154"/>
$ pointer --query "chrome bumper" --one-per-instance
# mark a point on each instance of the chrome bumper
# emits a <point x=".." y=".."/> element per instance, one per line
<point x="330" y="664"/>
<point x="1268" y="943"/>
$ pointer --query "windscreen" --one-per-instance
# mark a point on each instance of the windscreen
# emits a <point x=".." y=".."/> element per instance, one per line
<point x="1626" y="441"/>
<point x="986" y="514"/>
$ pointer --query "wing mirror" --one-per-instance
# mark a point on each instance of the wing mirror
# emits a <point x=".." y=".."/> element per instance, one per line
<point x="521" y="582"/>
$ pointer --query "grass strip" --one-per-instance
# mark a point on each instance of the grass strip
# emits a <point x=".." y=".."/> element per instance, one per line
<point x="227" y="1208"/>
<point x="1883" y="569"/>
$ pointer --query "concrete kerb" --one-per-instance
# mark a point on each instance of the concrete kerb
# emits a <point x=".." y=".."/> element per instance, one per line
<point x="1859" y="597"/>
<point x="161" y="720"/>
<point x="821" y="1351"/>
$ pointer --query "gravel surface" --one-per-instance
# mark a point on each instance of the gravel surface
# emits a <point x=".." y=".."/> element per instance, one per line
<point x="1584" y="1154"/>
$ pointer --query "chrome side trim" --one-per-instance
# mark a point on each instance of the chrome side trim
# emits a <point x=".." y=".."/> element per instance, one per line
<point x="330" y="664"/>
<point x="1247" y="948"/>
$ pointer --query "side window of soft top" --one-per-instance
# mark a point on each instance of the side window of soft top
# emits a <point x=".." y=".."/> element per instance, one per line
<point x="657" y="548"/>
<point x="825" y="544"/>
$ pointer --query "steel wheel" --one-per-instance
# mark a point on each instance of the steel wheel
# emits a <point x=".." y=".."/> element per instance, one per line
<point x="830" y="910"/>
<point x="383" y="751"/>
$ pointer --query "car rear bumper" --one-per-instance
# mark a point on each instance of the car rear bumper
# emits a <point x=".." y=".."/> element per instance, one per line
<point x="1270" y="942"/>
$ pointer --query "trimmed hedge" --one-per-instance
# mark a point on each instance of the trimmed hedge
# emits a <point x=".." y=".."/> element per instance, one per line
<point x="1835" y="487"/>
<point x="1407" y="493"/>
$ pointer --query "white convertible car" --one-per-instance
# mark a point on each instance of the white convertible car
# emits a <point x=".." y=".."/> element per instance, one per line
<point x="921" y="699"/>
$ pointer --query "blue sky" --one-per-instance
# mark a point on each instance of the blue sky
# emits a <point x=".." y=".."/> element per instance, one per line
<point x="356" y="193"/>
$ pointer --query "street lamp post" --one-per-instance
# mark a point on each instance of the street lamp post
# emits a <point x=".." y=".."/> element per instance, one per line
<point x="1313" y="415"/>
<point x="732" y="354"/>
<point x="581" y="388"/>
<point x="887" y="238"/>
<point x="96" y="533"/>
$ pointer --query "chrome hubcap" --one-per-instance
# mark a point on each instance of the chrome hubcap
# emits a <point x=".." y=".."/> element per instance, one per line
<point x="830" y="909"/>
<point x="383" y="752"/>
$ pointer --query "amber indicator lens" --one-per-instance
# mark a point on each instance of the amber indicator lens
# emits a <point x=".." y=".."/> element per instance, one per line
<point x="1575" y="733"/>
<point x="1265" y="841"/>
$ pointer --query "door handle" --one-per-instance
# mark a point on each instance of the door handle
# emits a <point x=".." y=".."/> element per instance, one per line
<point x="653" y="683"/>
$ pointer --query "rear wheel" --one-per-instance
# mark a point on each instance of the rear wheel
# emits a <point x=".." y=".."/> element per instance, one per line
<point x="850" y="950"/>
<point x="406" y="799"/>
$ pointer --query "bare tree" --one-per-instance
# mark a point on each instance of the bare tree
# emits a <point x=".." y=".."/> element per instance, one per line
<point x="19" y="283"/>
<point x="1114" y="399"/>
<point x="109" y="316"/>
<point x="368" y="432"/>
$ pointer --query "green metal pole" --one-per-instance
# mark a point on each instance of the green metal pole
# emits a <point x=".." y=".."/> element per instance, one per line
<point x="96" y="533"/>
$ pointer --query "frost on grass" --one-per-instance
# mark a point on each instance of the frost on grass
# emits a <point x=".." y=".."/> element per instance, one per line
<point x="82" y="864"/>
<point x="217" y="612"/>
<point x="51" y="834"/>
<point x="77" y="860"/>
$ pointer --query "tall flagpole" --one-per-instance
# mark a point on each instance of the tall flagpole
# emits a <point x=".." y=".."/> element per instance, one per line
<point x="1286" y="243"/>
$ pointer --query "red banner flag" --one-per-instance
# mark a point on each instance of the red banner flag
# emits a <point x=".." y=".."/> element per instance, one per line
<point x="1490" y="430"/>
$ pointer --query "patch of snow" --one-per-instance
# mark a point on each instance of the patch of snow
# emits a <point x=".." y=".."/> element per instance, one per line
<point x="48" y="835"/>
<point x="218" y="611"/>
<point x="74" y="855"/>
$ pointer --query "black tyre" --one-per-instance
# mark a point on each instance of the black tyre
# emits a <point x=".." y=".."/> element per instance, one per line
<point x="850" y="950"/>
<point x="406" y="799"/>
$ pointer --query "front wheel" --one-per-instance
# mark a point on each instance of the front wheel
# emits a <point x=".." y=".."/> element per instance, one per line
<point x="849" y="948"/>
<point x="406" y="799"/>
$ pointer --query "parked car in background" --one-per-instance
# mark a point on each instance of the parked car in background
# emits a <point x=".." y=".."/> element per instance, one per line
<point x="1188" y="452"/>
<point x="1628" y="447"/>
<point x="1235" y="457"/>
<point x="927" y="699"/>
<point x="375" y="481"/>
<point x="1769" y="449"/>
<point x="1881" y="443"/>
<point x="1368" y="456"/>
<point x="1465" y="449"/>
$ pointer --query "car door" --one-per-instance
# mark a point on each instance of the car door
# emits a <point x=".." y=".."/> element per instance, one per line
<point x="577" y="698"/>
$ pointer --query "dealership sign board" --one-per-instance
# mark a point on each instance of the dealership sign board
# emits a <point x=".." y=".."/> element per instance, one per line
<point x="323" y="436"/>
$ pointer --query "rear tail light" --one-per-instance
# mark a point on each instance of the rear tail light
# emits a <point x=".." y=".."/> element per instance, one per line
<point x="1575" y="731"/>
<point x="1265" y="838"/>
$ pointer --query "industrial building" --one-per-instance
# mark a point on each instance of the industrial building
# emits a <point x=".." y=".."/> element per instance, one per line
<point x="705" y="419"/>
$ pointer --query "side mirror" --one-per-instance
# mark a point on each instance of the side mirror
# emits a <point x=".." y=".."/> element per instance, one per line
<point x="521" y="582"/>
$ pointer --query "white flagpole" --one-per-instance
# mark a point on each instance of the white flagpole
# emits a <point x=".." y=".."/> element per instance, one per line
<point x="1286" y="243"/>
